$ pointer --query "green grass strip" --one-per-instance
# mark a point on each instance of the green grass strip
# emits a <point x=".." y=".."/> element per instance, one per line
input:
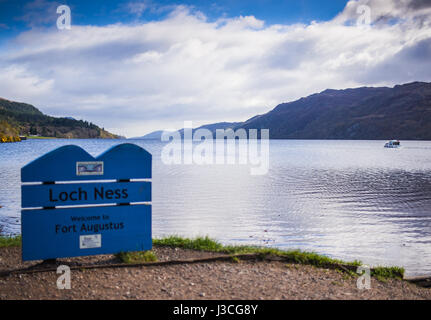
<point x="136" y="257"/>
<point x="14" y="241"/>
<point x="296" y="256"/>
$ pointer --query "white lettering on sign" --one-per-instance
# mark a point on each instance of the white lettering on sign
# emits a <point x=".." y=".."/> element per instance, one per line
<point x="89" y="168"/>
<point x="90" y="241"/>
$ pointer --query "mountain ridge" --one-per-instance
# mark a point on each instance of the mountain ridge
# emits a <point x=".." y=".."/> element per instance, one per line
<point x="403" y="111"/>
<point x="363" y="113"/>
<point x="156" y="135"/>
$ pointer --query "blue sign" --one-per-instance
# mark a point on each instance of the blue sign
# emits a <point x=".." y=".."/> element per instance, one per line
<point x="65" y="216"/>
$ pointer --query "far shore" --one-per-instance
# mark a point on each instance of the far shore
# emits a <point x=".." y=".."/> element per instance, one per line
<point x="39" y="137"/>
<point x="22" y="138"/>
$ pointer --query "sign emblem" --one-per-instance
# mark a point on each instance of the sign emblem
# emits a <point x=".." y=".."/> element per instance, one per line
<point x="90" y="241"/>
<point x="89" y="168"/>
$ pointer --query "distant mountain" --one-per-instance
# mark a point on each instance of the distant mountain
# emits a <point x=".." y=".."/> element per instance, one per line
<point x="156" y="135"/>
<point x="17" y="118"/>
<point x="402" y="112"/>
<point x="214" y="126"/>
<point x="219" y="125"/>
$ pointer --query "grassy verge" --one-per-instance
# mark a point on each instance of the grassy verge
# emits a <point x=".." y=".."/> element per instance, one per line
<point x="294" y="256"/>
<point x="10" y="241"/>
<point x="199" y="243"/>
<point x="136" y="257"/>
<point x="208" y="244"/>
<point x="383" y="273"/>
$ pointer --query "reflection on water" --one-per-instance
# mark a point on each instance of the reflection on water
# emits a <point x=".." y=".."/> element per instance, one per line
<point x="346" y="199"/>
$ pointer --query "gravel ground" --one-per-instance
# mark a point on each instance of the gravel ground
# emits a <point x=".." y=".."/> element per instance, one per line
<point x="215" y="280"/>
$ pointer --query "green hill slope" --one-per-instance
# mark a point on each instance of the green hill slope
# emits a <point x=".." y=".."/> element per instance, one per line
<point x="18" y="118"/>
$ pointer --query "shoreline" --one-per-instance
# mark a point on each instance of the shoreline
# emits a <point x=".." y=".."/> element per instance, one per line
<point x="210" y="245"/>
<point x="179" y="268"/>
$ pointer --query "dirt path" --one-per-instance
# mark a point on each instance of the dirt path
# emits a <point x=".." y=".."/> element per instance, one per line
<point x="215" y="280"/>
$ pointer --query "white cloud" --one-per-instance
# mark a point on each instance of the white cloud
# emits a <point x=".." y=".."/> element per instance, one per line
<point x="14" y="78"/>
<point x="140" y="77"/>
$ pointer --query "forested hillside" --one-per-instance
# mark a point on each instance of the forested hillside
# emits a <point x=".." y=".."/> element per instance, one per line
<point x="23" y="119"/>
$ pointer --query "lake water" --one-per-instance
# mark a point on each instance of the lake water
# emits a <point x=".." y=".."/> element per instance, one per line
<point x="345" y="199"/>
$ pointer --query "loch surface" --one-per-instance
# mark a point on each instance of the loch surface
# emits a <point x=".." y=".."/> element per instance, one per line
<point x="345" y="199"/>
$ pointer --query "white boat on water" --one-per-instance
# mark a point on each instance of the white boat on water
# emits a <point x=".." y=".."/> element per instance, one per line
<point x="393" y="144"/>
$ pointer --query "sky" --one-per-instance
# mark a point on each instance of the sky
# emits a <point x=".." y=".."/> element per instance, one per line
<point x="135" y="66"/>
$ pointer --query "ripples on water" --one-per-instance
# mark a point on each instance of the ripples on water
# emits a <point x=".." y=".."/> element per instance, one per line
<point x="346" y="199"/>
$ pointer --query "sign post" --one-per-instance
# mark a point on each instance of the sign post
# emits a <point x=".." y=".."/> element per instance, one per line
<point x="76" y="205"/>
